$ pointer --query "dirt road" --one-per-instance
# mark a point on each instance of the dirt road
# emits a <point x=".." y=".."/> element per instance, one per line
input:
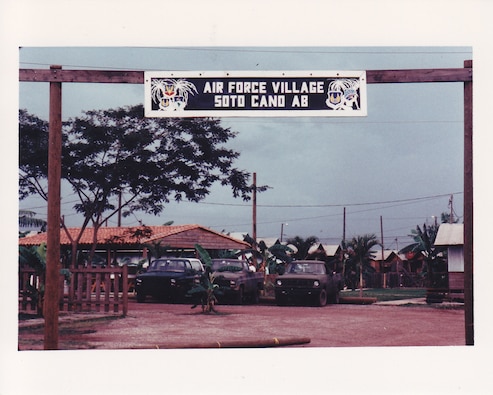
<point x="158" y="325"/>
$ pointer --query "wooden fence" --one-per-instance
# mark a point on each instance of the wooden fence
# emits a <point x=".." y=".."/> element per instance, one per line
<point x="393" y="280"/>
<point x="87" y="290"/>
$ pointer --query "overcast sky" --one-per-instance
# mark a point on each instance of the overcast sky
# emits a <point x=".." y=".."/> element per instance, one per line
<point x="403" y="162"/>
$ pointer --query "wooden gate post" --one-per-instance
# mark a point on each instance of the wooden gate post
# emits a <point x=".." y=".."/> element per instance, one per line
<point x="50" y="308"/>
<point x="468" y="212"/>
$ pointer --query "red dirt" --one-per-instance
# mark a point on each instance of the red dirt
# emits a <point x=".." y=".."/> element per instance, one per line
<point x="157" y="325"/>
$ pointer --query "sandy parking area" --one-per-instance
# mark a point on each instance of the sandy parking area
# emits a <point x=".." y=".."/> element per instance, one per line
<point x="160" y="325"/>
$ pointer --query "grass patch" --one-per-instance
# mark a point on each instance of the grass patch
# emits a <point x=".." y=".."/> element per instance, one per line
<point x="386" y="294"/>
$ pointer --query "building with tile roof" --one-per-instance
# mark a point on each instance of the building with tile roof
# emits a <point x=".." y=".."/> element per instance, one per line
<point x="131" y="239"/>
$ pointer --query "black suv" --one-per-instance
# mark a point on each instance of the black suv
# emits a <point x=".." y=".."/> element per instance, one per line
<point x="168" y="279"/>
<point x="308" y="280"/>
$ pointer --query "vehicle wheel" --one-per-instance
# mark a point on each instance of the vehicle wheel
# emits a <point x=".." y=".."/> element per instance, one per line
<point x="281" y="301"/>
<point x="256" y="296"/>
<point x="239" y="296"/>
<point x="322" y="298"/>
<point x="140" y="297"/>
<point x="334" y="299"/>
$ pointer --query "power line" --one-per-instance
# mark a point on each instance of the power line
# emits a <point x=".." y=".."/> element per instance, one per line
<point x="410" y="200"/>
<point x="332" y="205"/>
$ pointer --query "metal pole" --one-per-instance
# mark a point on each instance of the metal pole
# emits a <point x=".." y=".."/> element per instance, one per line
<point x="344" y="226"/>
<point x="50" y="308"/>
<point x="254" y="213"/>
<point x="381" y="236"/>
<point x="468" y="212"/>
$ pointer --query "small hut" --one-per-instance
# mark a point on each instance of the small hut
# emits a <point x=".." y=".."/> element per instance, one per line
<point x="452" y="237"/>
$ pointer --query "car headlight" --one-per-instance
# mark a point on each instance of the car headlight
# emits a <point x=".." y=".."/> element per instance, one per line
<point x="316" y="283"/>
<point x="279" y="282"/>
<point x="232" y="283"/>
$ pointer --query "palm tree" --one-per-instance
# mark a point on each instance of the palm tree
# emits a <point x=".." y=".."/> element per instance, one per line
<point x="303" y="245"/>
<point x="424" y="242"/>
<point x="361" y="247"/>
<point x="27" y="219"/>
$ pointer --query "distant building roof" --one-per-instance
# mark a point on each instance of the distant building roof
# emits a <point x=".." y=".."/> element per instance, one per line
<point x="386" y="254"/>
<point x="269" y="241"/>
<point x="450" y="234"/>
<point x="329" y="249"/>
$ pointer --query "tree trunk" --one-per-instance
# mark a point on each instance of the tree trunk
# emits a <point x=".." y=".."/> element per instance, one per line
<point x="73" y="258"/>
<point x="360" y="279"/>
<point x="92" y="252"/>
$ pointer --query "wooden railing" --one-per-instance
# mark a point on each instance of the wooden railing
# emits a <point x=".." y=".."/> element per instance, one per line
<point x="88" y="290"/>
<point x="29" y="285"/>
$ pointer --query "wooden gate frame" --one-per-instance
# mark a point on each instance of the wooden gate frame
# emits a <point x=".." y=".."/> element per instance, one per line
<point x="56" y="76"/>
<point x="89" y="289"/>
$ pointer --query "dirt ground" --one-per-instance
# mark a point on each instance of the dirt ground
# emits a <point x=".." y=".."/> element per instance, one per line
<point x="160" y="325"/>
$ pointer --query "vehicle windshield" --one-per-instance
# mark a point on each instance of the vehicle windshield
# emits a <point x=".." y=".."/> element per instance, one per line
<point x="197" y="266"/>
<point x="306" y="267"/>
<point x="167" y="265"/>
<point x="233" y="265"/>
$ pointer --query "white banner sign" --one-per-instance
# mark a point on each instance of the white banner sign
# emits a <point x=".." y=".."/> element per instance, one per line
<point x="259" y="94"/>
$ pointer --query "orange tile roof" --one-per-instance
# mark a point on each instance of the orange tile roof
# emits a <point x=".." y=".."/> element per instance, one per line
<point x="123" y="235"/>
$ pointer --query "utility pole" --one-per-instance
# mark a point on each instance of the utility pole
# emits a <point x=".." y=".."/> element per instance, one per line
<point x="381" y="264"/>
<point x="344" y="226"/>
<point x="451" y="204"/>
<point x="282" y="230"/>
<point x="254" y="208"/>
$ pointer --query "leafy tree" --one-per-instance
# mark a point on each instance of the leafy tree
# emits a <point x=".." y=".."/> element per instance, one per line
<point x="360" y="247"/>
<point x="424" y="242"/>
<point x="207" y="290"/>
<point x="33" y="155"/>
<point x="275" y="256"/>
<point x="147" y="161"/>
<point x="424" y="239"/>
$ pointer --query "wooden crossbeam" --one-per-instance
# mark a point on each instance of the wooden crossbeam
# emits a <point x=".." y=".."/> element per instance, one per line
<point x="137" y="77"/>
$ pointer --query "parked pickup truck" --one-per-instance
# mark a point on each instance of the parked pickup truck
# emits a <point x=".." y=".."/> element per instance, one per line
<point x="168" y="279"/>
<point x="237" y="280"/>
<point x="307" y="280"/>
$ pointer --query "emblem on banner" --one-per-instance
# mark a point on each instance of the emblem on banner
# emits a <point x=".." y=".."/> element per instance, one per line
<point x="170" y="94"/>
<point x="343" y="94"/>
